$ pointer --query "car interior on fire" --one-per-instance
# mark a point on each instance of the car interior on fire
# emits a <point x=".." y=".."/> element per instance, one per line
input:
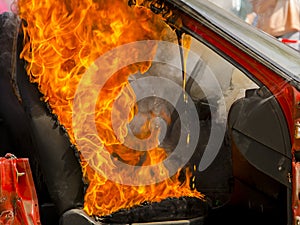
<point x="184" y="120"/>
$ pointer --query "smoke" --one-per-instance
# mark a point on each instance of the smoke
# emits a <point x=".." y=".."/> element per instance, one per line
<point x="9" y="23"/>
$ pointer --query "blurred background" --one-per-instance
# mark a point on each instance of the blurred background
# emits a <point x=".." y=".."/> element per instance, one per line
<point x="5" y="5"/>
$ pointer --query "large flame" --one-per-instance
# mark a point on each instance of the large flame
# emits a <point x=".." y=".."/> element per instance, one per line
<point x="62" y="40"/>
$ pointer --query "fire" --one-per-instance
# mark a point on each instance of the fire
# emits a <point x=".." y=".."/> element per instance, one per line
<point x="62" y="39"/>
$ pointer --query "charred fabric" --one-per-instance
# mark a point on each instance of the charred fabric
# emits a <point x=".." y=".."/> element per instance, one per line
<point x="29" y="129"/>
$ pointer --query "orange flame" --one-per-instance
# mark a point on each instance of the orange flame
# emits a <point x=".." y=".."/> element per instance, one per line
<point x="62" y="40"/>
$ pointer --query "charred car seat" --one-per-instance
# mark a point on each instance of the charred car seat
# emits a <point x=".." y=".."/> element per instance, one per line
<point x="27" y="129"/>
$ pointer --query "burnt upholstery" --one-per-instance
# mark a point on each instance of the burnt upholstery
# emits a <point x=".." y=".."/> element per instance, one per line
<point x="27" y="128"/>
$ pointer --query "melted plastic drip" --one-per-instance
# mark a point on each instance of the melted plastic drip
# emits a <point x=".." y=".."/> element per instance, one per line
<point x="183" y="61"/>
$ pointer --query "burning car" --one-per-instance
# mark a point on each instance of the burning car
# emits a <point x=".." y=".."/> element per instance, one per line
<point x="148" y="112"/>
